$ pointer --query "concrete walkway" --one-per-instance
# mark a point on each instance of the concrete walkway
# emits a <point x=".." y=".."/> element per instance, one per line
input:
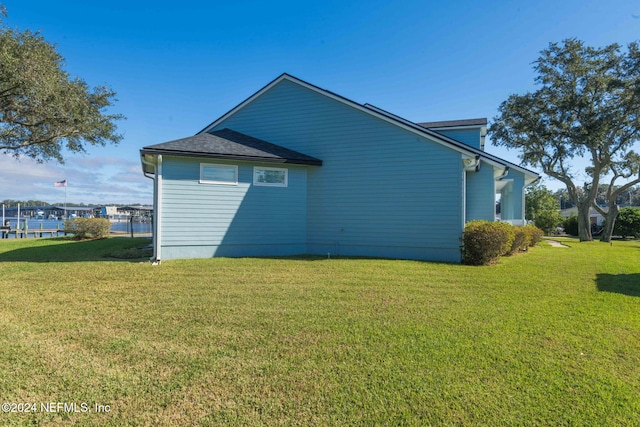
<point x="555" y="243"/>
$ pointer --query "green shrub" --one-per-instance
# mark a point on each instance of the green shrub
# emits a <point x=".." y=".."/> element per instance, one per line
<point x="483" y="242"/>
<point x="534" y="234"/>
<point x="88" y="228"/>
<point x="520" y="240"/>
<point x="571" y="225"/>
<point x="627" y="223"/>
<point x="508" y="232"/>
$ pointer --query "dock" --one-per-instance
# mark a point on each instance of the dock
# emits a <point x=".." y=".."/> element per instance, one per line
<point x="5" y="232"/>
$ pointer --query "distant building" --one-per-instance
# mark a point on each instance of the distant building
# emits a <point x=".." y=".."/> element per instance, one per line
<point x="108" y="212"/>
<point x="595" y="216"/>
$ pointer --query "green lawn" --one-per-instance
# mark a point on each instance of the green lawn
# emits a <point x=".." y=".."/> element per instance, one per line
<point x="547" y="338"/>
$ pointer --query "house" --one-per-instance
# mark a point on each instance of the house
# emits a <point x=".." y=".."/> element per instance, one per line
<point x="595" y="217"/>
<point x="296" y="169"/>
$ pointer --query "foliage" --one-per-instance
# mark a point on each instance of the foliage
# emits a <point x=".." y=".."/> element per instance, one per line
<point x="541" y="206"/>
<point x="43" y="111"/>
<point x="538" y="199"/>
<point x="629" y="197"/>
<point x="86" y="228"/>
<point x="483" y="242"/>
<point x="564" y="200"/>
<point x="534" y="234"/>
<point x="587" y="105"/>
<point x="520" y="241"/>
<point x="548" y="221"/>
<point x="24" y="203"/>
<point x="570" y="225"/>
<point x="628" y="222"/>
<point x="318" y="342"/>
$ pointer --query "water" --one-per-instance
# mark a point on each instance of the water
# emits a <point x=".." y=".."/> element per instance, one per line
<point x="54" y="224"/>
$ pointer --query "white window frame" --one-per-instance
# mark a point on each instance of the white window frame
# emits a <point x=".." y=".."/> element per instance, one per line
<point x="270" y="184"/>
<point x="218" y="165"/>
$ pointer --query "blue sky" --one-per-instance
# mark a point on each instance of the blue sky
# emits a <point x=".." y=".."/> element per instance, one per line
<point x="177" y="66"/>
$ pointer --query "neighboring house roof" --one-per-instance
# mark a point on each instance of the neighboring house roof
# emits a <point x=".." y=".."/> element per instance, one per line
<point x="229" y="144"/>
<point x="455" y="123"/>
<point x="388" y="117"/>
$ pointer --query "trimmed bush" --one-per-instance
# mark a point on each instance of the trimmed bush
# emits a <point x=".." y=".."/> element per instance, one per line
<point x="520" y="240"/>
<point x="483" y="242"/>
<point x="88" y="228"/>
<point x="534" y="234"/>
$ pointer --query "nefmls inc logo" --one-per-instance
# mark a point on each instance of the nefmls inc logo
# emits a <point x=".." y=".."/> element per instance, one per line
<point x="64" y="407"/>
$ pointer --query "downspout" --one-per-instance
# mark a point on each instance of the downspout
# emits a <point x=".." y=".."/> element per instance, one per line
<point x="504" y="174"/>
<point x="156" y="211"/>
<point x="158" y="246"/>
<point x="475" y="166"/>
<point x="148" y="163"/>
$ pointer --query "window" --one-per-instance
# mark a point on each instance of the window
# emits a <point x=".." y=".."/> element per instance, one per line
<point x="218" y="174"/>
<point x="270" y="177"/>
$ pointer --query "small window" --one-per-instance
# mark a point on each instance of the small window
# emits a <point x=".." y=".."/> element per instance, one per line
<point x="270" y="177"/>
<point x="218" y="174"/>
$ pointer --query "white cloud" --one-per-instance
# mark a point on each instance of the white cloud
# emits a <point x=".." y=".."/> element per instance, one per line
<point x="98" y="180"/>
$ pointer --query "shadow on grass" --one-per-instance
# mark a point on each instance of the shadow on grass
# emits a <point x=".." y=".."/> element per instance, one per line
<point x="65" y="249"/>
<point x="627" y="284"/>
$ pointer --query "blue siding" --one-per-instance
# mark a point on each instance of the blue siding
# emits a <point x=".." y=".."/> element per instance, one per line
<point x="381" y="191"/>
<point x="468" y="136"/>
<point x="204" y="220"/>
<point x="480" y="202"/>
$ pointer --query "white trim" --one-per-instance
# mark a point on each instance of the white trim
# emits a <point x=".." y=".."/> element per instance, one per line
<point x="464" y="197"/>
<point x="469" y="127"/>
<point x="219" y="165"/>
<point x="495" y="191"/>
<point x="380" y="114"/>
<point x="522" y="212"/>
<point x="158" y="212"/>
<point x="270" y="184"/>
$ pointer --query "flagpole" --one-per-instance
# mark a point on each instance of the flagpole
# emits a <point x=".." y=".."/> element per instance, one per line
<point x="65" y="200"/>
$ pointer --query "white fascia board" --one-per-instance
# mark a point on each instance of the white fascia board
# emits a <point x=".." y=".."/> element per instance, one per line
<point x="382" y="115"/>
<point x="470" y="127"/>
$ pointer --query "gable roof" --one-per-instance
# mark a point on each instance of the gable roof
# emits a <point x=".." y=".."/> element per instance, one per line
<point x="232" y="145"/>
<point x="422" y="131"/>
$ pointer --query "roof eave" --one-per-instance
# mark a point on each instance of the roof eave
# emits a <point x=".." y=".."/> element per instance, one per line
<point x="309" y="162"/>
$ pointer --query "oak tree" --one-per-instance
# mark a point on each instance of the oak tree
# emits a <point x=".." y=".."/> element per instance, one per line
<point x="43" y="110"/>
<point x="587" y="107"/>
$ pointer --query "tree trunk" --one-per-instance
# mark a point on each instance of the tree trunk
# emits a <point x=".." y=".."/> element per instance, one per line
<point x="610" y="221"/>
<point x="584" y="222"/>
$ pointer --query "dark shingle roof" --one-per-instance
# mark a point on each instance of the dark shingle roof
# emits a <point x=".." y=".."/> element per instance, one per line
<point x="229" y="144"/>
<point x="454" y="123"/>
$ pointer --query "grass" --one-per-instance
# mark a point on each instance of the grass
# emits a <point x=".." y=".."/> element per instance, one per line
<point x="551" y="337"/>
